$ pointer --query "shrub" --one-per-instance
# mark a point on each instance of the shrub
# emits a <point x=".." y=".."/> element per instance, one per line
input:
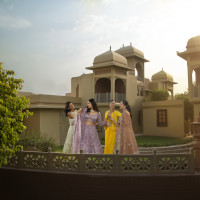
<point x="37" y="142"/>
<point x="102" y="140"/>
<point x="159" y="95"/>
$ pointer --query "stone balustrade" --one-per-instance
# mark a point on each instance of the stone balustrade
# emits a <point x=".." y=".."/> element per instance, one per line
<point x="171" y="163"/>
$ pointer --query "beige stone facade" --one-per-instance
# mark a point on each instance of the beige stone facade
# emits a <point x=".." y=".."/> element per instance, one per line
<point x="48" y="117"/>
<point x="164" y="118"/>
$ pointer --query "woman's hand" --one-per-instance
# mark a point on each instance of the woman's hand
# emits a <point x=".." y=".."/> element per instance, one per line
<point x="109" y="116"/>
<point x="80" y="110"/>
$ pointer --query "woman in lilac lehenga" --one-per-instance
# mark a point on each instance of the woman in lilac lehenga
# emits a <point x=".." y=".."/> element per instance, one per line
<point x="85" y="134"/>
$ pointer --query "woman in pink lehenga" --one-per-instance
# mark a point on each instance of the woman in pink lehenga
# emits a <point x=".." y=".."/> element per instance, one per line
<point x="125" y="139"/>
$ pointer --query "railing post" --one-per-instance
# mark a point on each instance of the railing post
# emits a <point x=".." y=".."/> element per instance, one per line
<point x="81" y="161"/>
<point x="49" y="161"/>
<point x="21" y="158"/>
<point x="155" y="167"/>
<point x="117" y="163"/>
<point x="195" y="127"/>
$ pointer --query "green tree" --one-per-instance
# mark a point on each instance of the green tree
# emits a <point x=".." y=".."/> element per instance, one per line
<point x="159" y="95"/>
<point x="12" y="112"/>
<point x="188" y="107"/>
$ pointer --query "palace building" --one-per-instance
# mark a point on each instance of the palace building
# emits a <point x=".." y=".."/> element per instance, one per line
<point x="114" y="75"/>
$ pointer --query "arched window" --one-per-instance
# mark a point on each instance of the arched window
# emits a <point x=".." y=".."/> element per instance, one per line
<point x="170" y="92"/>
<point x="196" y="82"/>
<point x="139" y="72"/>
<point x="193" y="77"/>
<point x="120" y="90"/>
<point x="102" y="90"/>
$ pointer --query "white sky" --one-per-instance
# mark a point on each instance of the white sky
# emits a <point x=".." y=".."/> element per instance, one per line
<point x="47" y="42"/>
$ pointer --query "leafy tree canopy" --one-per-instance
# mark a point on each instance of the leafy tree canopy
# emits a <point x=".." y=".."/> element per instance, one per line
<point x="12" y="112"/>
<point x="159" y="95"/>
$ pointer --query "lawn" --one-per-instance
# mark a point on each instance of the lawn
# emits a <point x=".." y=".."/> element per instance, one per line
<point x="158" y="141"/>
<point x="151" y="141"/>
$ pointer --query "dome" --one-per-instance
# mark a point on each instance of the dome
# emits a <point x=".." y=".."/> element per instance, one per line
<point x="110" y="58"/>
<point x="162" y="75"/>
<point x="193" y="42"/>
<point x="130" y="51"/>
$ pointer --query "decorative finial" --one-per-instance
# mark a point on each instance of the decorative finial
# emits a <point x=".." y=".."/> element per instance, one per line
<point x="130" y="44"/>
<point x="110" y="48"/>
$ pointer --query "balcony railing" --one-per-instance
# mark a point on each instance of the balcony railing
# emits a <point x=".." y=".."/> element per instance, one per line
<point x="102" y="97"/>
<point x="106" y="97"/>
<point x="119" y="97"/>
<point x="167" y="163"/>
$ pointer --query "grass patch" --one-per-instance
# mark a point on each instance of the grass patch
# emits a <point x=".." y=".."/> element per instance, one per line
<point x="58" y="149"/>
<point x="159" y="141"/>
<point x="149" y="141"/>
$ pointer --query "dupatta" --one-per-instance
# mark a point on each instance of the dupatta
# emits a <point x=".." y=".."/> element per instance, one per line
<point x="125" y="137"/>
<point x="77" y="135"/>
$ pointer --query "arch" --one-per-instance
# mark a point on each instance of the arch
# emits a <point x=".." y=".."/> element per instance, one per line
<point x="196" y="81"/>
<point x="193" y="77"/>
<point x="139" y="72"/>
<point x="170" y="92"/>
<point x="102" y="90"/>
<point x="120" y="90"/>
<point x="197" y="75"/>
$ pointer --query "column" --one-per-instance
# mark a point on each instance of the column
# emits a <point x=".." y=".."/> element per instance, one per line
<point x="112" y="96"/>
<point x="190" y="82"/>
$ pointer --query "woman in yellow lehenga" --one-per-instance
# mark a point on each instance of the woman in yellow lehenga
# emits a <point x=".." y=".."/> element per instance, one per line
<point x="110" y="129"/>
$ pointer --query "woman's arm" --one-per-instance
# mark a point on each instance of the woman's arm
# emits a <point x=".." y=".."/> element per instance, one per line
<point x="79" y="111"/>
<point x="113" y="121"/>
<point x="70" y="115"/>
<point x="100" y="122"/>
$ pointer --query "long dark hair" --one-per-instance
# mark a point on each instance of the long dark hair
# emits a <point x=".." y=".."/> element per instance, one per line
<point x="94" y="105"/>
<point x="67" y="109"/>
<point x="127" y="106"/>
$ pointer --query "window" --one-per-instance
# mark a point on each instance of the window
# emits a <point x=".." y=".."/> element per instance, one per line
<point x="162" y="118"/>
